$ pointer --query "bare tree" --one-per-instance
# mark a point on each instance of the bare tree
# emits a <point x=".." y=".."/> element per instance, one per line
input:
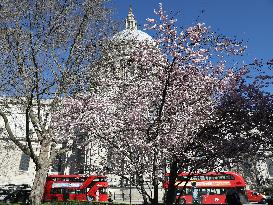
<point x="44" y="47"/>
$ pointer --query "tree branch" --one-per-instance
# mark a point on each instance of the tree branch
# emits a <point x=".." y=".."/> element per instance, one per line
<point x="11" y="136"/>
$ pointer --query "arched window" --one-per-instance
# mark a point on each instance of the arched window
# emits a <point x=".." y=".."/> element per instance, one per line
<point x="270" y="167"/>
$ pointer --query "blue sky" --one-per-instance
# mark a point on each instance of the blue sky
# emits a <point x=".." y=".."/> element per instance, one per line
<point x="248" y="20"/>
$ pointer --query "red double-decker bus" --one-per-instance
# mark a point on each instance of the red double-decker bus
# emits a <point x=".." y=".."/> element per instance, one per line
<point x="211" y="187"/>
<point x="75" y="187"/>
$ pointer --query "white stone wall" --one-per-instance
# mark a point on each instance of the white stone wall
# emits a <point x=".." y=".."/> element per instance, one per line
<point x="10" y="154"/>
<point x="10" y="172"/>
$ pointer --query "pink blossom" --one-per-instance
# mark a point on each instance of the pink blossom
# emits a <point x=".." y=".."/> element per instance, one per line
<point x="150" y="20"/>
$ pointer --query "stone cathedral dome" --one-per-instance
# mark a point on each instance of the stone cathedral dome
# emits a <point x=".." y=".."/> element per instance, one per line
<point x="131" y="33"/>
<point x="118" y="53"/>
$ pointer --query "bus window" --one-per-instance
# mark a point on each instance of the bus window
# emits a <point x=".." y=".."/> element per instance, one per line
<point x="229" y="177"/>
<point x="203" y="191"/>
<point x="194" y="178"/>
<point x="80" y="191"/>
<point x="223" y="191"/>
<point x="202" y="177"/>
<point x="56" y="191"/>
<point x="182" y="178"/>
<point x="186" y="191"/>
<point x="102" y="190"/>
<point x="72" y="191"/>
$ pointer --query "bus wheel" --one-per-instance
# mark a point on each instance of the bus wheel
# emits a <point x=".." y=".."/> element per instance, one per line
<point x="181" y="201"/>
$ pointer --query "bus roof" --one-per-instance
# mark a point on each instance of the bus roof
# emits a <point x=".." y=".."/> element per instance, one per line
<point x="207" y="174"/>
<point x="211" y="179"/>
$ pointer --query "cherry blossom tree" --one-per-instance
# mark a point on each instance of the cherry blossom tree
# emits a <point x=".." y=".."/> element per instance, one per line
<point x="44" y="46"/>
<point x="151" y="108"/>
<point x="247" y="113"/>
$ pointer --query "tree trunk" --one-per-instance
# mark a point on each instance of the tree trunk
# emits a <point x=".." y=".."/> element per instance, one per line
<point x="38" y="186"/>
<point x="155" y="181"/>
<point x="142" y="190"/>
<point x="155" y="185"/>
<point x="41" y="173"/>
<point x="171" y="193"/>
